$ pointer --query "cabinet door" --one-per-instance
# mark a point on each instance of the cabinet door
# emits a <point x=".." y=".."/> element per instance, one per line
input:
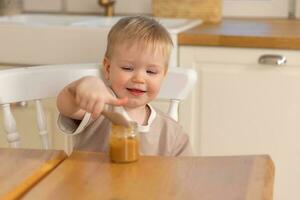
<point x="251" y="109"/>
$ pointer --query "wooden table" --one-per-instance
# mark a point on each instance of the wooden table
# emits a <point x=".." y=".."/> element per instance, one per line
<point x="92" y="176"/>
<point x="20" y="169"/>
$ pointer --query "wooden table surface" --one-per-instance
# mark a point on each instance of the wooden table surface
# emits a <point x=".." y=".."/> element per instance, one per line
<point x="20" y="169"/>
<point x="91" y="176"/>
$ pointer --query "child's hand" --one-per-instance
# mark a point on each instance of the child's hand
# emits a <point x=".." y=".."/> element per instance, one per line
<point x="91" y="95"/>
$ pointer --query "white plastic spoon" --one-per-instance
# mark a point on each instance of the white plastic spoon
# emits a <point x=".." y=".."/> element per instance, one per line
<point x="116" y="118"/>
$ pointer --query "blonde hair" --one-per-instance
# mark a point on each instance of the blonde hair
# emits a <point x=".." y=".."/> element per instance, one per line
<point x="142" y="30"/>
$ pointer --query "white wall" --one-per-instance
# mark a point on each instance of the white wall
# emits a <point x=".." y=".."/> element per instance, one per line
<point x="298" y="8"/>
<point x="45" y="5"/>
<point x="254" y="8"/>
<point x="87" y="6"/>
<point x="267" y="8"/>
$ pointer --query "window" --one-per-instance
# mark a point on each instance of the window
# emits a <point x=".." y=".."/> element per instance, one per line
<point x="256" y="8"/>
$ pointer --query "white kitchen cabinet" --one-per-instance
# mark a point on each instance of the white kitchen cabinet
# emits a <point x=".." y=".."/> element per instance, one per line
<point x="242" y="107"/>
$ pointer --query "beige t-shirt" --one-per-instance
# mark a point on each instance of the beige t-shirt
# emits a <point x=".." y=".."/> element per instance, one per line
<point x="161" y="136"/>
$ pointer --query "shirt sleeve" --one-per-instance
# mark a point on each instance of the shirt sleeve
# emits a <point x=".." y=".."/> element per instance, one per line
<point x="72" y="126"/>
<point x="182" y="145"/>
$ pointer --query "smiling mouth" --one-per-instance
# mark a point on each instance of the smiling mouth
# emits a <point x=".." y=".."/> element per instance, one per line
<point x="136" y="92"/>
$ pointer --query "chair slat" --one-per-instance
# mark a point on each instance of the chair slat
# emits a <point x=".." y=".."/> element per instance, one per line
<point x="41" y="122"/>
<point x="173" y="109"/>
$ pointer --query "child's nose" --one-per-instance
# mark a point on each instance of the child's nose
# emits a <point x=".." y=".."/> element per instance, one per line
<point x="138" y="77"/>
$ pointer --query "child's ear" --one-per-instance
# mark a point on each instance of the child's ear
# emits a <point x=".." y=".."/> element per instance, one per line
<point x="106" y="68"/>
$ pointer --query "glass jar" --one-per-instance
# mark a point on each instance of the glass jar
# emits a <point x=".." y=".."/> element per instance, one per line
<point x="124" y="143"/>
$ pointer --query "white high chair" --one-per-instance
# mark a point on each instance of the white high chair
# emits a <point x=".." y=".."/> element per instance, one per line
<point x="41" y="82"/>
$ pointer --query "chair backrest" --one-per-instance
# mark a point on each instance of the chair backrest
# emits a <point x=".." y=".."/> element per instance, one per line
<point x="41" y="82"/>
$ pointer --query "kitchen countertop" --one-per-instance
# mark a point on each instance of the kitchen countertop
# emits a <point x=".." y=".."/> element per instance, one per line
<point x="245" y="32"/>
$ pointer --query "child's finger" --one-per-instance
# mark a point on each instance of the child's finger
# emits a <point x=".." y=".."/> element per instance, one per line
<point x="98" y="107"/>
<point x="83" y="104"/>
<point x="117" y="101"/>
<point x="77" y="99"/>
<point x="90" y="105"/>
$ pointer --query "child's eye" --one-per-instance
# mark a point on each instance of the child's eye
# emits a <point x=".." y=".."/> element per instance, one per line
<point x="151" y="72"/>
<point x="125" y="68"/>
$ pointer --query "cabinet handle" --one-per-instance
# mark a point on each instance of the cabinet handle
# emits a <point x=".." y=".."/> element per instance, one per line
<point x="272" y="59"/>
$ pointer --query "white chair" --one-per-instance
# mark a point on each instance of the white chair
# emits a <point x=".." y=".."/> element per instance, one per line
<point x="42" y="82"/>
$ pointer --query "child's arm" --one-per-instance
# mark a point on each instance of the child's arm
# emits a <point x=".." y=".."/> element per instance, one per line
<point x="88" y="94"/>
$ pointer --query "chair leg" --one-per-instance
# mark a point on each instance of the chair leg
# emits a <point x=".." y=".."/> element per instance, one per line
<point x="10" y="127"/>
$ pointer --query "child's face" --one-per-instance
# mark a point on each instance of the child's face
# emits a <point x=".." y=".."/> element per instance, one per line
<point x="136" y="73"/>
